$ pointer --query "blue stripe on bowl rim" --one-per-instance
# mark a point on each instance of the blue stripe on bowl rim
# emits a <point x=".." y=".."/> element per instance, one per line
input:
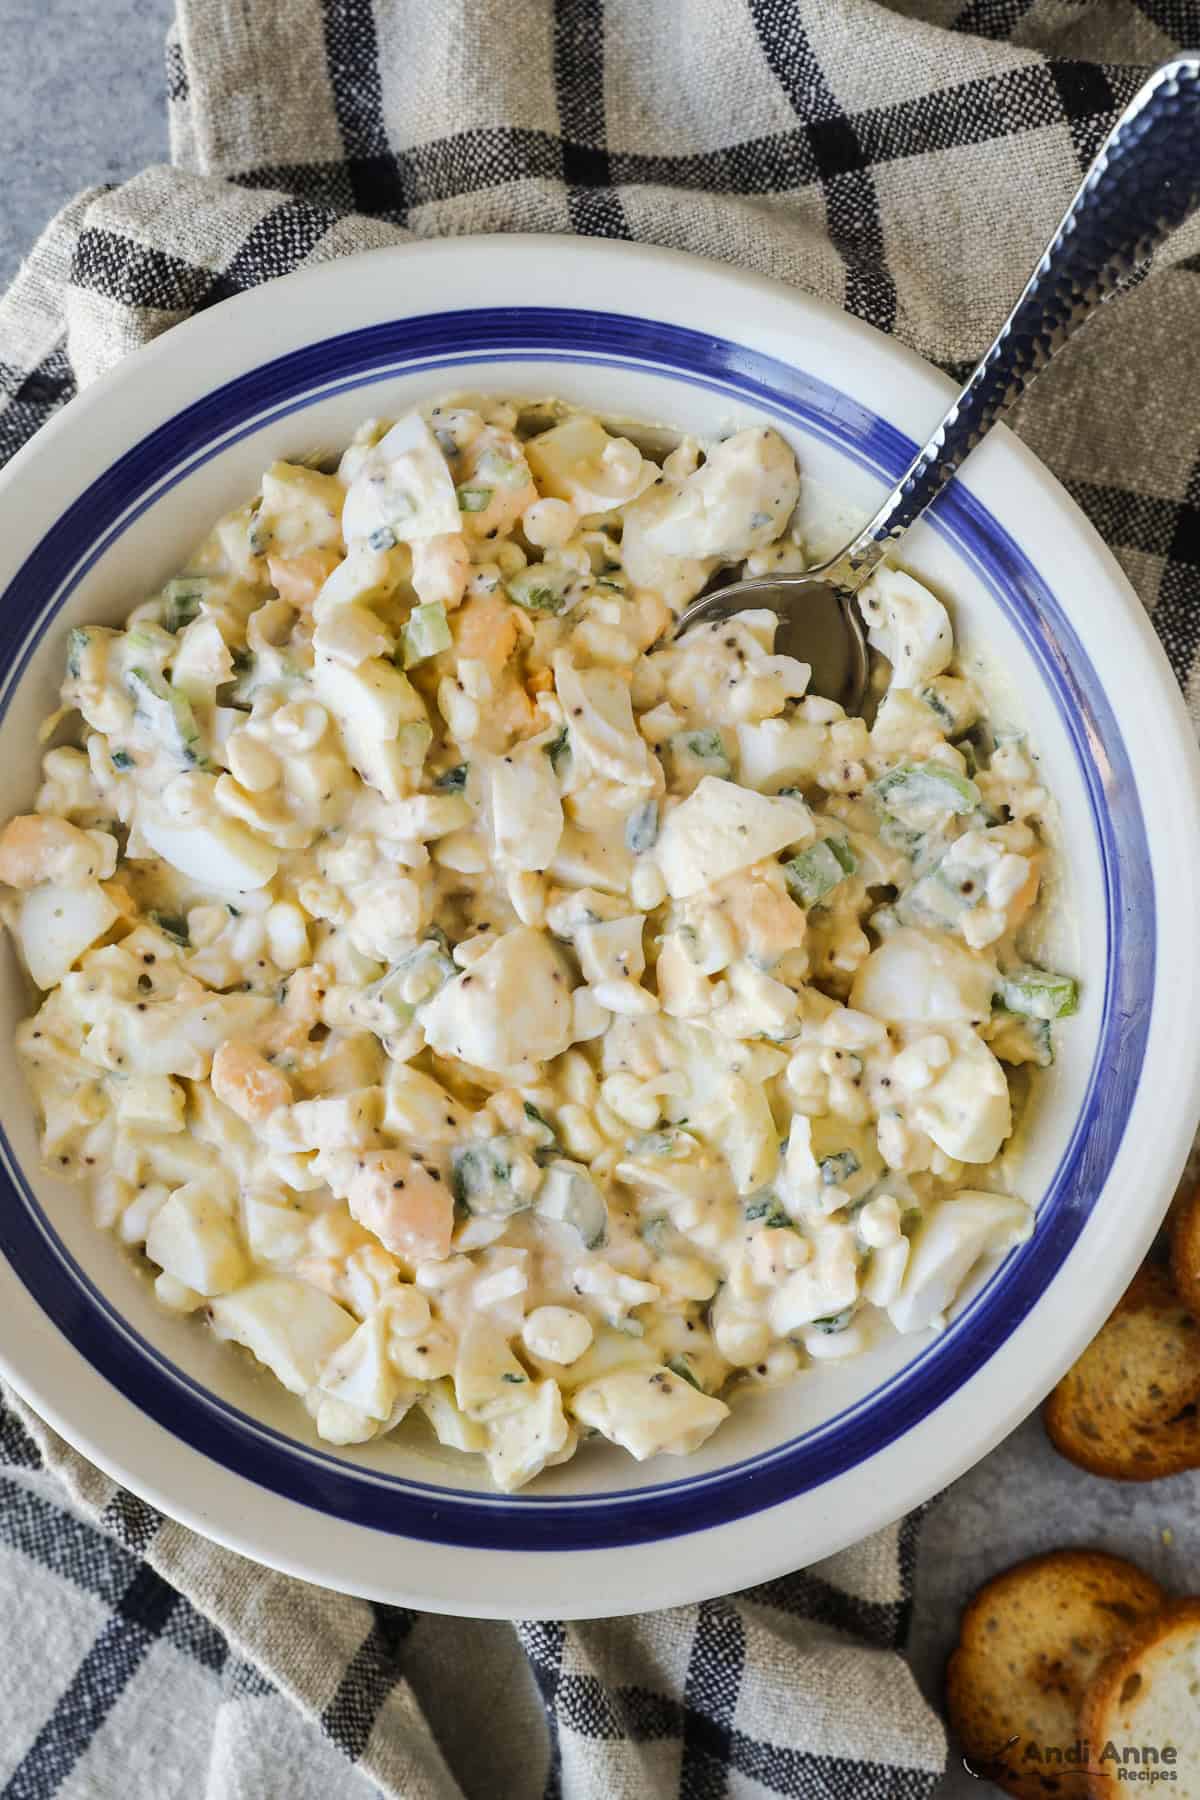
<point x="532" y="1522"/>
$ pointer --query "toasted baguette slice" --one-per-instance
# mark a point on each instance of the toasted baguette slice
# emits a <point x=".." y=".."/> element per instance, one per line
<point x="1144" y="1700"/>
<point x="1128" y="1408"/>
<point x="1029" y="1643"/>
<point x="1185" y="1252"/>
<point x="1183" y="1193"/>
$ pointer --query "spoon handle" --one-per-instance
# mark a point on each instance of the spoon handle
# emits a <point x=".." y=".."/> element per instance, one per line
<point x="1144" y="182"/>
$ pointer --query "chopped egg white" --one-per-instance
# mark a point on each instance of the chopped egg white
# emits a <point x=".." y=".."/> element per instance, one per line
<point x="486" y="1008"/>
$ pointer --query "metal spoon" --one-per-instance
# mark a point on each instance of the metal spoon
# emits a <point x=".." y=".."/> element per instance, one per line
<point x="1144" y="182"/>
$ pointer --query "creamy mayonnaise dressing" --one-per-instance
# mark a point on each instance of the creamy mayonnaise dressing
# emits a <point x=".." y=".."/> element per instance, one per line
<point x="472" y="1000"/>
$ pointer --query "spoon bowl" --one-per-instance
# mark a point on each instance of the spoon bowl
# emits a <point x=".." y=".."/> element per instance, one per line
<point x="819" y="624"/>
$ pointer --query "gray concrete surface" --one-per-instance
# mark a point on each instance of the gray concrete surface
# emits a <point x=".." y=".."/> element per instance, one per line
<point x="83" y="103"/>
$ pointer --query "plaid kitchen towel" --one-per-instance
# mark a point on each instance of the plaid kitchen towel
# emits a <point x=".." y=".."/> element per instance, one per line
<point x="906" y="162"/>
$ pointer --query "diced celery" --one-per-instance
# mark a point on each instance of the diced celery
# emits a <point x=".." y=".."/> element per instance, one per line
<point x="1016" y="1039"/>
<point x="541" y="588"/>
<point x="425" y="632"/>
<point x="147" y="648"/>
<point x="705" y="746"/>
<point x="185" y="725"/>
<point x="149" y="638"/>
<point x="477" y="1172"/>
<point x="816" y="871"/>
<point x="681" y="1366"/>
<point x="500" y="470"/>
<point x="168" y="713"/>
<point x="547" y="1146"/>
<point x="150" y="692"/>
<point x="571" y="1197"/>
<point x="655" y="1231"/>
<point x="835" y="1322"/>
<point x="925" y="788"/>
<point x="389" y="994"/>
<point x="172" y="925"/>
<point x="181" y="600"/>
<point x="245" y="678"/>
<point x="954" y="703"/>
<point x="938" y="708"/>
<point x="658" y="1143"/>
<point x="482" y="1179"/>
<point x="698" y="753"/>
<point x="838" y="1168"/>
<point x="558" y="750"/>
<point x="77" y="642"/>
<point x="898" y="836"/>
<point x="1039" y="994"/>
<point x="412" y="741"/>
<point x="415" y="979"/>
<point x="474" y="499"/>
<point x="937" y="900"/>
<point x="767" y="1209"/>
<point x="641" y="828"/>
<point x="426" y="970"/>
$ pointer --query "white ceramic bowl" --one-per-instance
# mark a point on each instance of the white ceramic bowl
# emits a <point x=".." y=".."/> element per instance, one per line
<point x="104" y="505"/>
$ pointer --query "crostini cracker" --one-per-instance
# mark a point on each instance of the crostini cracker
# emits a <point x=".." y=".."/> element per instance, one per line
<point x="1185" y="1251"/>
<point x="1141" y="1710"/>
<point x="1127" y="1409"/>
<point x="1029" y="1643"/>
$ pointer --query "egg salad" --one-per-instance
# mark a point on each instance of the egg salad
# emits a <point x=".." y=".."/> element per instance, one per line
<point x="475" y="1001"/>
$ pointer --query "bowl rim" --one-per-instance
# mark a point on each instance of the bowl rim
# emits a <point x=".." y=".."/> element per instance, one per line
<point x="890" y="445"/>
